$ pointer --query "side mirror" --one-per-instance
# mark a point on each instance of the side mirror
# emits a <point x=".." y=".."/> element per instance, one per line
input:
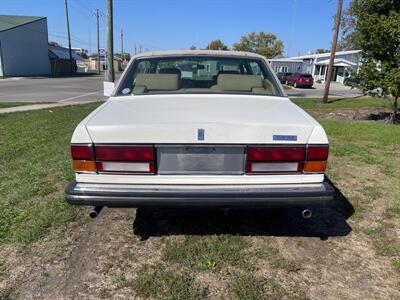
<point x="108" y="88"/>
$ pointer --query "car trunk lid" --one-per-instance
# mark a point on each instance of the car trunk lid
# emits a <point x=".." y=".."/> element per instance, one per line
<point x="200" y="119"/>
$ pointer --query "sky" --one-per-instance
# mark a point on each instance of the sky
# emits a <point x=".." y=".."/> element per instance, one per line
<point x="303" y="25"/>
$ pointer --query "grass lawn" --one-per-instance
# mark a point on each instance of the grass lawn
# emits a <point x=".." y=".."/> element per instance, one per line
<point x="34" y="169"/>
<point x="363" y="163"/>
<point x="316" y="103"/>
<point x="13" y="104"/>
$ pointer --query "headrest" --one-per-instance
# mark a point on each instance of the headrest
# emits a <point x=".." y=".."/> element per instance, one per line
<point x="228" y="72"/>
<point x="170" y="71"/>
<point x="158" y="82"/>
<point x="229" y="82"/>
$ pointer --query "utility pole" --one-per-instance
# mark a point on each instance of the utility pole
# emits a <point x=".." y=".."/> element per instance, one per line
<point x="333" y="51"/>
<point x="110" y="76"/>
<point x="69" y="37"/>
<point x="135" y="49"/>
<point x="122" y="44"/>
<point x="97" y="14"/>
<point x="90" y="40"/>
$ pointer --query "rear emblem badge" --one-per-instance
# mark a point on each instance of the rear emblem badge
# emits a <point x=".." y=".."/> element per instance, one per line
<point x="200" y="134"/>
<point x="284" y="137"/>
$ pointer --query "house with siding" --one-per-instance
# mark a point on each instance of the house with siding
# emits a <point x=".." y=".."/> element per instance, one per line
<point x="317" y="64"/>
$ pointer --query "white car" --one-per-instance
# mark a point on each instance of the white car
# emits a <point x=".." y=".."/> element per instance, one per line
<point x="199" y="129"/>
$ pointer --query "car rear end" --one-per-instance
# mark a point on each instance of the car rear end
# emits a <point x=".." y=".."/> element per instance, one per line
<point x="237" y="143"/>
<point x="174" y="151"/>
<point x="199" y="176"/>
<point x="305" y="80"/>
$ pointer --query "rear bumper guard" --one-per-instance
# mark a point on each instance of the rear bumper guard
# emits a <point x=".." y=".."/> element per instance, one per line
<point x="116" y="195"/>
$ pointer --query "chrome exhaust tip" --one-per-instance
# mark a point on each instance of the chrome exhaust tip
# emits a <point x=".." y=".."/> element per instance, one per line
<point x="95" y="212"/>
<point x="306" y="214"/>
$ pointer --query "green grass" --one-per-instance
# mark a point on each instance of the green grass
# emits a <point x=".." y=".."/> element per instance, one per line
<point x="364" y="159"/>
<point x="370" y="143"/>
<point x="14" y="104"/>
<point x="34" y="169"/>
<point x="157" y="282"/>
<point x="366" y="155"/>
<point x="384" y="246"/>
<point x="276" y="259"/>
<point x="316" y="103"/>
<point x="247" y="286"/>
<point x="208" y="253"/>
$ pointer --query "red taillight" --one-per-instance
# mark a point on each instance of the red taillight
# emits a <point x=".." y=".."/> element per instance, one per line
<point x="286" y="159"/>
<point x="83" y="158"/>
<point x="275" y="159"/>
<point x="113" y="159"/>
<point x="125" y="153"/>
<point x="317" y="152"/>
<point x="276" y="153"/>
<point x="316" y="159"/>
<point x="82" y="152"/>
<point x="125" y="159"/>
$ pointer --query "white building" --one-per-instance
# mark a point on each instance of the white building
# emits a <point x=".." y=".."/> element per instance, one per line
<point x="317" y="64"/>
<point x="80" y="50"/>
<point x="23" y="46"/>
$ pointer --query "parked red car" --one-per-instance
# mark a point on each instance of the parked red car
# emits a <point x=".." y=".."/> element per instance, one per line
<point x="300" y="80"/>
<point x="282" y="76"/>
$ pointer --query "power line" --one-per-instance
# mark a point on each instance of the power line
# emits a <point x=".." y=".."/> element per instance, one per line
<point x="87" y="5"/>
<point x="78" y="9"/>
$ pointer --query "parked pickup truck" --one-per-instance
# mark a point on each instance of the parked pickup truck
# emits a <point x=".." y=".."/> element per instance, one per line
<point x="199" y="129"/>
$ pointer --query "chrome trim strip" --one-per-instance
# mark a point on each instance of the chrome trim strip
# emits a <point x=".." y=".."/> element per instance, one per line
<point x="125" y="189"/>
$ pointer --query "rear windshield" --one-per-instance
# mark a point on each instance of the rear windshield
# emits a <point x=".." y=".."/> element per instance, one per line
<point x="306" y="76"/>
<point x="198" y="75"/>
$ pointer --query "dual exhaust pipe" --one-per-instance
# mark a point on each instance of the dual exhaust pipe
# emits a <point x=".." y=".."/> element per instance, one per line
<point x="95" y="212"/>
<point x="306" y="213"/>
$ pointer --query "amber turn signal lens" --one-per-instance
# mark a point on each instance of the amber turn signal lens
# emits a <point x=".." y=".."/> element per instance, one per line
<point x="315" y="166"/>
<point x="84" y="166"/>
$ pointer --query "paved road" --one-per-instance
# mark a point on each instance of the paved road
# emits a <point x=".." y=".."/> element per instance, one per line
<point x="89" y="88"/>
<point x="82" y="88"/>
<point x="337" y="90"/>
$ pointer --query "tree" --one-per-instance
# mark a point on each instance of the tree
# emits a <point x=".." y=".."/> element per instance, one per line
<point x="83" y="55"/>
<point x="216" y="45"/>
<point x="350" y="39"/>
<point x="55" y="44"/>
<point x="266" y="44"/>
<point x="321" y="50"/>
<point x="377" y="22"/>
<point x="193" y="47"/>
<point x="124" y="55"/>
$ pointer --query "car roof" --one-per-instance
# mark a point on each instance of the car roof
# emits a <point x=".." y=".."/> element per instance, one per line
<point x="222" y="53"/>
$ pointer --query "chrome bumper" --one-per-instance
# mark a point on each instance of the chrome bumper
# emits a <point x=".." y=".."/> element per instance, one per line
<point x="118" y="195"/>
